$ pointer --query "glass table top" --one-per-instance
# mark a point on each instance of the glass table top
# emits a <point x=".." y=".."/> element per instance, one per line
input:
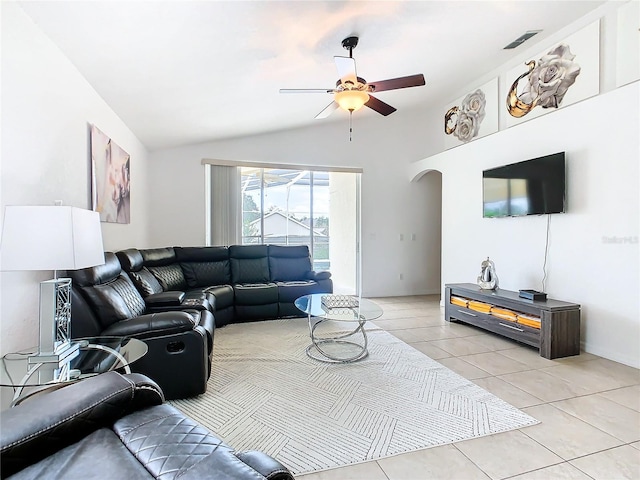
<point x="345" y="308"/>
<point x="95" y="355"/>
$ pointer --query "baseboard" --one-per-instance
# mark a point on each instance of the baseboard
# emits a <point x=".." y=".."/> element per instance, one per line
<point x="614" y="356"/>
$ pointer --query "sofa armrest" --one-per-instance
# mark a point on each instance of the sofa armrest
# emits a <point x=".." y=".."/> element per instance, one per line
<point x="191" y="450"/>
<point x="151" y="325"/>
<point x="49" y="422"/>
<point x="165" y="299"/>
<point x="267" y="466"/>
<point x="325" y="275"/>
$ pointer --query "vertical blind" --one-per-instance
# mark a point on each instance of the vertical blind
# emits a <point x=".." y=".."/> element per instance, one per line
<point x="226" y="205"/>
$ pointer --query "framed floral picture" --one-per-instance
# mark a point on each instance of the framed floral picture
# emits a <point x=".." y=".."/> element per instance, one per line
<point x="560" y="75"/>
<point x="472" y="116"/>
<point x="110" y="179"/>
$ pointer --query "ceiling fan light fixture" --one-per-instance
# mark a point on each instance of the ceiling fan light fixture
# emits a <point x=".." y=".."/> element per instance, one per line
<point x="351" y="100"/>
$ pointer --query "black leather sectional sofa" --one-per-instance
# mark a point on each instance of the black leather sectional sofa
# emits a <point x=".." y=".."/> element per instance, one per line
<point x="173" y="298"/>
<point x="117" y="426"/>
<point x="241" y="282"/>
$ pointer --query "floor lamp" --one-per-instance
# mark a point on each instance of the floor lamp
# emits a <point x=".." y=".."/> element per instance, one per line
<point x="51" y="238"/>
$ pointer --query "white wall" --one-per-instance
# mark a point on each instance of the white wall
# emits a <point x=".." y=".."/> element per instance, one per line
<point x="46" y="109"/>
<point x="601" y="140"/>
<point x="382" y="146"/>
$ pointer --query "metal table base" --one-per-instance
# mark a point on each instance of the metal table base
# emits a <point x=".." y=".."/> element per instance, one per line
<point x="317" y="352"/>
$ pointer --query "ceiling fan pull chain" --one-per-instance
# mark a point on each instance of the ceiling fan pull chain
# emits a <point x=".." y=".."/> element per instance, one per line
<point x="350" y="123"/>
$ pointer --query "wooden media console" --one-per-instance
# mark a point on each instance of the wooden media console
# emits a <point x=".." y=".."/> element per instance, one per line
<point x="559" y="332"/>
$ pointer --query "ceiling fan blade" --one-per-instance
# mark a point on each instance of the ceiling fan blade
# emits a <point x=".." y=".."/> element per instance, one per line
<point x="328" y="110"/>
<point x="306" y="90"/>
<point x="396" y="83"/>
<point x="346" y="69"/>
<point x="379" y="106"/>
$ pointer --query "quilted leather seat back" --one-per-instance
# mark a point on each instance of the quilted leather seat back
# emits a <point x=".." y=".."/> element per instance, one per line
<point x="108" y="291"/>
<point x="249" y="263"/>
<point x="290" y="263"/>
<point x="163" y="264"/>
<point x="204" y="266"/>
<point x="133" y="263"/>
<point x="116" y="300"/>
<point x="170" y="277"/>
<point x="145" y="282"/>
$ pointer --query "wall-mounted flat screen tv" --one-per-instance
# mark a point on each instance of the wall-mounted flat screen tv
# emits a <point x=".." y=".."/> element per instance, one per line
<point x="532" y="187"/>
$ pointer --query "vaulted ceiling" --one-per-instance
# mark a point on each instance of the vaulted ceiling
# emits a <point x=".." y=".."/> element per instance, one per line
<point x="181" y="72"/>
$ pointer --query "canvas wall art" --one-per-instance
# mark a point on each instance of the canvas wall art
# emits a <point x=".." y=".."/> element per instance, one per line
<point x="560" y="75"/>
<point x="628" y="41"/>
<point x="472" y="116"/>
<point x="110" y="179"/>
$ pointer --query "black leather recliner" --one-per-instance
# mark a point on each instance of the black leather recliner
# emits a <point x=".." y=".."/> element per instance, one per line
<point x="117" y="426"/>
<point x="106" y="303"/>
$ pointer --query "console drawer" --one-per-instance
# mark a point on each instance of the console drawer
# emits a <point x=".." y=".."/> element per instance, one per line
<point x="513" y="330"/>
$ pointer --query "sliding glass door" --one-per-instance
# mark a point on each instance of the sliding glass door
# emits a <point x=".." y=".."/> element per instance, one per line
<point x="301" y="207"/>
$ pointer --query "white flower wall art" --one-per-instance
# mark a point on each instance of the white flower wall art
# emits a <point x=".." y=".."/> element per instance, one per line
<point x="472" y="116"/>
<point x="464" y="121"/>
<point x="545" y="83"/>
<point x="561" y="75"/>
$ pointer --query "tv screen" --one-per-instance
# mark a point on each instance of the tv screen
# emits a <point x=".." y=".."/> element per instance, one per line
<point x="532" y="187"/>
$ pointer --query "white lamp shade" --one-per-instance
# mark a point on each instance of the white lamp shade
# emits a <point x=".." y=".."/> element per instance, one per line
<point x="50" y="238"/>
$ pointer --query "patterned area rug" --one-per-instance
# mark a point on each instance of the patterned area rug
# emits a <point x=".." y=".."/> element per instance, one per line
<point x="266" y="394"/>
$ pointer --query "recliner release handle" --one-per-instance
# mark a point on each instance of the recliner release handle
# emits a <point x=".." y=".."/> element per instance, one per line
<point x="175" y="347"/>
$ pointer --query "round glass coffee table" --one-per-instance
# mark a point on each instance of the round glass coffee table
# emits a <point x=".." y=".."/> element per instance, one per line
<point x="341" y="345"/>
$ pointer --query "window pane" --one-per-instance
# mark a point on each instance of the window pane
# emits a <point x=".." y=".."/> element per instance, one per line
<point x="287" y="207"/>
<point x="321" y="221"/>
<point x="298" y="207"/>
<point x="251" y="205"/>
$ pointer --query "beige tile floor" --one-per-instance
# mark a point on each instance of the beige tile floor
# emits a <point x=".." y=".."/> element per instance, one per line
<point x="588" y="406"/>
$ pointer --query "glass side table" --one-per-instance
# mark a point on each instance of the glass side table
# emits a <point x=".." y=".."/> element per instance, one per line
<point x="21" y="375"/>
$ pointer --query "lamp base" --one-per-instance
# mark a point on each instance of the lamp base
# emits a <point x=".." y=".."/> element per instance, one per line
<point x="55" y="315"/>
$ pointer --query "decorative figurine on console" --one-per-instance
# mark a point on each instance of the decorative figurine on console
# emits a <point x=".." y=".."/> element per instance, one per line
<point x="488" y="280"/>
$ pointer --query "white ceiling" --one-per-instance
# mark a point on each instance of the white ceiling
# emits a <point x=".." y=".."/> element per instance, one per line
<point x="180" y="72"/>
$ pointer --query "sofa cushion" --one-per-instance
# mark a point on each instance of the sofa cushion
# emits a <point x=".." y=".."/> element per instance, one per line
<point x="203" y="274"/>
<point x="130" y="259"/>
<point x="223" y="295"/>
<point x="99" y="274"/>
<point x="204" y="266"/>
<point x="145" y="282"/>
<point x="116" y="300"/>
<point x="201" y="254"/>
<point x="255" y="293"/>
<point x="154" y="257"/>
<point x="101" y="451"/>
<point x="288" y="292"/>
<point x="289" y="269"/>
<point x="169" y="276"/>
<point x="291" y="262"/>
<point x="254" y="270"/>
<point x="249" y="263"/>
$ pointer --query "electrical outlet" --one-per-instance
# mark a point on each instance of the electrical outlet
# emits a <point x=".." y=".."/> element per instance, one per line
<point x="58" y="203"/>
<point x="413" y="237"/>
<point x="401" y="237"/>
<point x="401" y="276"/>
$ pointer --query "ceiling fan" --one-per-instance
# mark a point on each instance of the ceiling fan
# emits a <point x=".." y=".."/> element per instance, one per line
<point x="352" y="92"/>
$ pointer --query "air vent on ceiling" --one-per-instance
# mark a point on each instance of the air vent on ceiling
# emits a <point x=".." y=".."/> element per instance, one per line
<point x="521" y="39"/>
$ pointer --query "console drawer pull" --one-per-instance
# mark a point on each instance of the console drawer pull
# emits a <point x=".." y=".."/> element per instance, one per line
<point x="467" y="313"/>
<point x="511" y="327"/>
